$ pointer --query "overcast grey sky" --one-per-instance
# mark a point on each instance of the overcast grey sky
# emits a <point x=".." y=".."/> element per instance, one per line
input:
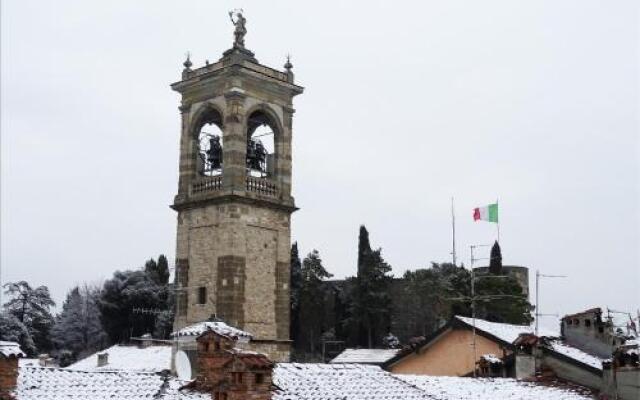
<point x="406" y="104"/>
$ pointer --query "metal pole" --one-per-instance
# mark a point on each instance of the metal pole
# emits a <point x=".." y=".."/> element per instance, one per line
<point x="537" y="299"/>
<point x="473" y="314"/>
<point x="498" y="221"/>
<point x="453" y="229"/>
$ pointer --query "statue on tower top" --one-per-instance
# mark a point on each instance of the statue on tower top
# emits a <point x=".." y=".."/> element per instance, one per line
<point x="241" y="29"/>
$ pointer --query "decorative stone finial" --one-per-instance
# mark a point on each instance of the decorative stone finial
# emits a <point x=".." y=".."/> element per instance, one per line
<point x="241" y="29"/>
<point x="187" y="63"/>
<point x="288" y="64"/>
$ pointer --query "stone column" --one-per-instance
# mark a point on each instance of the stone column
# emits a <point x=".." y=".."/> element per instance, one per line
<point x="283" y="154"/>
<point x="235" y="143"/>
<point x="187" y="155"/>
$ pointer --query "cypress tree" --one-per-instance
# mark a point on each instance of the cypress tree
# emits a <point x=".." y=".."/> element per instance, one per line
<point x="295" y="285"/>
<point x="495" y="262"/>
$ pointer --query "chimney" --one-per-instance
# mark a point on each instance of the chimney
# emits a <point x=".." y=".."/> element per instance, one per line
<point x="9" y="354"/>
<point x="103" y="359"/>
<point x="229" y="373"/>
<point x="44" y="360"/>
<point x="145" y="341"/>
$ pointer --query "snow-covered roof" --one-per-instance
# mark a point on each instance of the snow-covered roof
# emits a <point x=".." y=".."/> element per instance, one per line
<point x="340" y="382"/>
<point x="218" y="327"/>
<point x="506" y="332"/>
<point x="456" y="388"/>
<point x="42" y="383"/>
<point x="129" y="358"/>
<point x="576" y="354"/>
<point x="365" y="356"/>
<point x="10" y="349"/>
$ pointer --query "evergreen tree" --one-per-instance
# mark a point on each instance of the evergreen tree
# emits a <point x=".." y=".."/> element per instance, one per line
<point x="32" y="308"/>
<point x="295" y="285"/>
<point x="68" y="333"/>
<point x="509" y="305"/>
<point x="312" y="299"/>
<point x="495" y="261"/>
<point x="146" y="289"/>
<point x="120" y="295"/>
<point x="370" y="303"/>
<point x="158" y="271"/>
<point x="78" y="330"/>
<point x="163" y="270"/>
<point x="12" y="330"/>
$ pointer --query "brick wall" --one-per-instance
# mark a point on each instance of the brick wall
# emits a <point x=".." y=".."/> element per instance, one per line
<point x="8" y="376"/>
<point x="231" y="374"/>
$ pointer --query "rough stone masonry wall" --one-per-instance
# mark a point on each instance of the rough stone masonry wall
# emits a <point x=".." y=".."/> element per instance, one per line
<point x="240" y="253"/>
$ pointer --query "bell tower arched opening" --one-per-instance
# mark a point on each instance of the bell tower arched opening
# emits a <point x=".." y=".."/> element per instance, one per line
<point x="261" y="150"/>
<point x="209" y="143"/>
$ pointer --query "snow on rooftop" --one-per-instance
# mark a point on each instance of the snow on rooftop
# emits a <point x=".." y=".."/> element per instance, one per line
<point x="491" y="358"/>
<point x="365" y="356"/>
<point x="218" y="327"/>
<point x="507" y="332"/>
<point x="340" y="382"/>
<point x="40" y="383"/>
<point x="456" y="388"/>
<point x="576" y="354"/>
<point x="10" y="349"/>
<point x="129" y="358"/>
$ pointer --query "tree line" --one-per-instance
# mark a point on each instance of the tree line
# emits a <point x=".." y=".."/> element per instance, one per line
<point x="92" y="317"/>
<point x="374" y="309"/>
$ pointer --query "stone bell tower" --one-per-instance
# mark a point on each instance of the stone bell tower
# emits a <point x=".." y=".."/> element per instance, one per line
<point x="234" y="198"/>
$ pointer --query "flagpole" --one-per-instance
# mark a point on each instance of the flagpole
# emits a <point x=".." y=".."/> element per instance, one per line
<point x="498" y="222"/>
<point x="453" y="231"/>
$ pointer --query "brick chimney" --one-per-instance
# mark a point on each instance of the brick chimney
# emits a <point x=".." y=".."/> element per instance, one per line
<point x="103" y="359"/>
<point x="229" y="373"/>
<point x="9" y="354"/>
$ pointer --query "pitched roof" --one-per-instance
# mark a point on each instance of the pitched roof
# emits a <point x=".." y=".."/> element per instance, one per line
<point x="505" y="332"/>
<point x="575" y="354"/>
<point x="340" y="382"/>
<point x="10" y="349"/>
<point x="129" y="358"/>
<point x="455" y="388"/>
<point x="365" y="356"/>
<point x="218" y="327"/>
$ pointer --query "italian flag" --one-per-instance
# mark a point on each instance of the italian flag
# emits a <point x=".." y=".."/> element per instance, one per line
<point x="486" y="213"/>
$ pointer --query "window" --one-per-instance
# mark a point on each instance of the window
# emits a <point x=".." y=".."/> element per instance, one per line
<point x="569" y="322"/>
<point x="236" y="377"/>
<point x="202" y="295"/>
<point x="259" y="379"/>
<point x="576" y="321"/>
<point x="587" y="323"/>
<point x="600" y="329"/>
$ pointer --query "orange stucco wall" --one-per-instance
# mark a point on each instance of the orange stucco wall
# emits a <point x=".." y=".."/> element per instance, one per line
<point x="449" y="355"/>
